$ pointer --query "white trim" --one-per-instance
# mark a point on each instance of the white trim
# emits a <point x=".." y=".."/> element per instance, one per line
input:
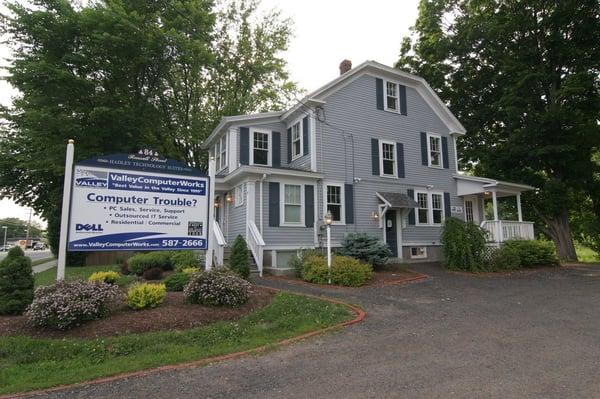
<point x="395" y="154"/>
<point x="282" y="221"/>
<point x="342" y="187"/>
<point x="228" y="121"/>
<point x="439" y="137"/>
<point x="423" y="256"/>
<point x="313" y="142"/>
<point x="429" y="195"/>
<point x="232" y="147"/>
<point x="269" y="149"/>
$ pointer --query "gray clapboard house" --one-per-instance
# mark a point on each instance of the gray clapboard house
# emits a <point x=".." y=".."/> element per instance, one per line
<point x="375" y="146"/>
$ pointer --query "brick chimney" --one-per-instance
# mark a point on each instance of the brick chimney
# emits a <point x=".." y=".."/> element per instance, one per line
<point x="345" y="66"/>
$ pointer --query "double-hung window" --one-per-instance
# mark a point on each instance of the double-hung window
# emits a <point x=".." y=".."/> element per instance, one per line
<point x="260" y="148"/>
<point x="334" y="202"/>
<point x="391" y="98"/>
<point x="388" y="158"/>
<point x="296" y="141"/>
<point x="431" y="208"/>
<point x="240" y="195"/>
<point x="223" y="154"/>
<point x="435" y="150"/>
<point x="292" y="204"/>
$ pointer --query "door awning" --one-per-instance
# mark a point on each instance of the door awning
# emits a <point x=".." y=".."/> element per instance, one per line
<point x="397" y="200"/>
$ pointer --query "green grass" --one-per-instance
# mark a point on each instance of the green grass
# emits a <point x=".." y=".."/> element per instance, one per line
<point x="40" y="261"/>
<point x="48" y="277"/>
<point x="587" y="255"/>
<point x="29" y="363"/>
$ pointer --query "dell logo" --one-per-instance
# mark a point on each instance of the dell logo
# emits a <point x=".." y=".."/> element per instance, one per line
<point x="88" y="227"/>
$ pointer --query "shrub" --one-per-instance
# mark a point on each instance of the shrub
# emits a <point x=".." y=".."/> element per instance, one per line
<point x="505" y="258"/>
<point x="345" y="271"/>
<point x="67" y="304"/>
<point x="16" y="282"/>
<point x="238" y="259"/>
<point x="154" y="273"/>
<point x="463" y="244"/>
<point x="139" y="263"/>
<point x="125" y="268"/>
<point x="142" y="296"/>
<point x="177" y="281"/>
<point x="365" y="247"/>
<point x="534" y="252"/>
<point x="184" y="259"/>
<point x="190" y="270"/>
<point x="217" y="287"/>
<point x="296" y="261"/>
<point x="106" y="277"/>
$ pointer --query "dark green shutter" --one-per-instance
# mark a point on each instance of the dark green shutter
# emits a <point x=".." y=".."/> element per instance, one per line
<point x="309" y="205"/>
<point x="447" y="208"/>
<point x="276" y="150"/>
<point x="289" y="145"/>
<point x="375" y="156"/>
<point x="411" y="213"/>
<point x="349" y="203"/>
<point x="445" y="152"/>
<point x="305" y="126"/>
<point x="400" y="159"/>
<point x="402" y="99"/>
<point x="244" y="146"/>
<point x="273" y="204"/>
<point x="424" y="159"/>
<point x="379" y="92"/>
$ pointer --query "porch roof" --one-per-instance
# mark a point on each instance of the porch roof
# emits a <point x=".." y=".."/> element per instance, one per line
<point x="397" y="200"/>
<point x="467" y="185"/>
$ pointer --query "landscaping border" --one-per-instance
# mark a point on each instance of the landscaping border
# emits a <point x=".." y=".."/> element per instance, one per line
<point x="359" y="316"/>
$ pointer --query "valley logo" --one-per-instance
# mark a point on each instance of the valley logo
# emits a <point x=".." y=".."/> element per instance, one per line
<point x="91" y="178"/>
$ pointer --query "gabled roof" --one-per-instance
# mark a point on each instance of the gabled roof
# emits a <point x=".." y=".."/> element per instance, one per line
<point x="397" y="200"/>
<point x="372" y="67"/>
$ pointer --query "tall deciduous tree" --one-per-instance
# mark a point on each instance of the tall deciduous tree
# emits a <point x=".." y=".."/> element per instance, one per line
<point x="523" y="76"/>
<point x="117" y="75"/>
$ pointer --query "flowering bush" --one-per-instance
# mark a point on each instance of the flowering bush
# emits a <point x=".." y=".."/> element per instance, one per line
<point x="218" y="286"/>
<point x="67" y="304"/>
<point x="142" y="296"/>
<point x="177" y="281"/>
<point x="106" y="277"/>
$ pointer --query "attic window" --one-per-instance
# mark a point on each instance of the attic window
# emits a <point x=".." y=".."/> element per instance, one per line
<point x="391" y="97"/>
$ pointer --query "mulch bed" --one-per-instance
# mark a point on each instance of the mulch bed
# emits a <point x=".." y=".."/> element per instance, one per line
<point x="380" y="279"/>
<point x="172" y="314"/>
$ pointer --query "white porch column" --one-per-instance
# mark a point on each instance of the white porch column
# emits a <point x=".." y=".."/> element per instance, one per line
<point x="495" y="204"/>
<point x="519" y="207"/>
<point x="497" y="223"/>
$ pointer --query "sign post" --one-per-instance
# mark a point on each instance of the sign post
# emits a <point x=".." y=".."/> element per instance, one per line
<point x="210" y="253"/>
<point x="64" y="217"/>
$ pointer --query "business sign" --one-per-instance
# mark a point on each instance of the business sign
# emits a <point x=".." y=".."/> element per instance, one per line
<point x="137" y="202"/>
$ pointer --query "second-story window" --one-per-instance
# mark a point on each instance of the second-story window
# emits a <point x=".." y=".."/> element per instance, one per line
<point x="391" y="96"/>
<point x="260" y="148"/>
<point x="296" y="141"/>
<point x="388" y="159"/>
<point x="435" y="150"/>
<point x="223" y="153"/>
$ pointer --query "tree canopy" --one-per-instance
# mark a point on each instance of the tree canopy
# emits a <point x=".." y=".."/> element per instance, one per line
<point x="119" y="75"/>
<point x="524" y="78"/>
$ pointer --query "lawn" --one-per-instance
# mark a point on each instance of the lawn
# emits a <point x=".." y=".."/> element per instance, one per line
<point x="48" y="277"/>
<point x="587" y="255"/>
<point x="29" y="363"/>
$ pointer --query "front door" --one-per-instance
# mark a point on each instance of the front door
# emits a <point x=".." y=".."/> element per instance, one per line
<point x="391" y="233"/>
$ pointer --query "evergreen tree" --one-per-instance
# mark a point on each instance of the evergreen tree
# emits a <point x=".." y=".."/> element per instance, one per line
<point x="16" y="282"/>
<point x="238" y="261"/>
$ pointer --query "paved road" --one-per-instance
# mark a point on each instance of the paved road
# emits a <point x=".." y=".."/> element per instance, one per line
<point x="452" y="336"/>
<point x="32" y="254"/>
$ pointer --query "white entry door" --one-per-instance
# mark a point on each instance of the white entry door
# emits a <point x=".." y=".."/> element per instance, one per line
<point x="472" y="210"/>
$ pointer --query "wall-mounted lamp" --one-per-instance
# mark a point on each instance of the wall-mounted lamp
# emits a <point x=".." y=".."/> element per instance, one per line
<point x="217" y="204"/>
<point x="229" y="198"/>
<point x="375" y="215"/>
<point x="328" y="218"/>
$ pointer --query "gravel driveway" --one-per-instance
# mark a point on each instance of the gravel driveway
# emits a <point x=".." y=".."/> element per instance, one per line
<point x="451" y="336"/>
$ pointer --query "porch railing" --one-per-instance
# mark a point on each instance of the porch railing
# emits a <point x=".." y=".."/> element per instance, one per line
<point x="221" y="243"/>
<point x="256" y="245"/>
<point x="503" y="230"/>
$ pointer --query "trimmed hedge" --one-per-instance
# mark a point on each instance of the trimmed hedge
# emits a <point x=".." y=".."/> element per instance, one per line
<point x="142" y="296"/>
<point x="345" y="271"/>
<point x="533" y="252"/>
<point x="16" y="282"/>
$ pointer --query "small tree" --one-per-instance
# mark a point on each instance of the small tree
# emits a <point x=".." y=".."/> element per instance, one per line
<point x="239" y="257"/>
<point x="463" y="245"/>
<point x="16" y="282"/>
<point x="365" y="247"/>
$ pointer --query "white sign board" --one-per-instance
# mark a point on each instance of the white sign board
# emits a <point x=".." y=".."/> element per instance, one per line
<point x="137" y="210"/>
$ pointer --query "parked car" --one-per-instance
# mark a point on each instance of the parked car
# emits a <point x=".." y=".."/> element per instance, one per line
<point x="39" y="246"/>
